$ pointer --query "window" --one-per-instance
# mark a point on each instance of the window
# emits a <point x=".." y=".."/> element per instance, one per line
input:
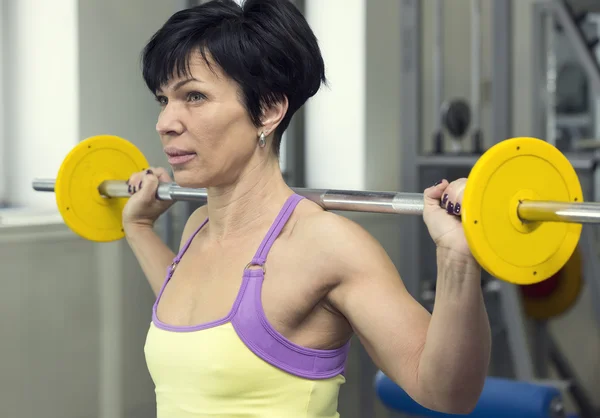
<point x="41" y="118"/>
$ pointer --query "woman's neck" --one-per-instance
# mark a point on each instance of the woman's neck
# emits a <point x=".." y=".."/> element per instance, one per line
<point x="253" y="200"/>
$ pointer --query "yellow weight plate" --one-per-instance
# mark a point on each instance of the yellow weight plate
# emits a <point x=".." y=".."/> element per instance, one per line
<point x="563" y="297"/>
<point x="514" y="169"/>
<point x="89" y="163"/>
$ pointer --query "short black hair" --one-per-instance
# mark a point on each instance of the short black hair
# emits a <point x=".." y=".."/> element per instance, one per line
<point x="265" y="46"/>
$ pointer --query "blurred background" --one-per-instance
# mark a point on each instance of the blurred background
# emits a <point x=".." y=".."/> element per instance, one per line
<point x="418" y="89"/>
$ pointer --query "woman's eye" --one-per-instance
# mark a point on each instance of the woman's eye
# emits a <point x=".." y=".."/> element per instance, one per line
<point x="195" y="97"/>
<point x="162" y="100"/>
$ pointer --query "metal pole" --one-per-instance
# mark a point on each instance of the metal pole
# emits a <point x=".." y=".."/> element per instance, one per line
<point x="538" y="69"/>
<point x="550" y="36"/>
<point x="411" y="147"/>
<point x="475" y="62"/>
<point x="476" y="75"/>
<point x="363" y="201"/>
<point x="343" y="200"/>
<point x="516" y="332"/>
<point x="540" y="348"/>
<point x="587" y="212"/>
<point x="438" y="75"/>
<point x="295" y="141"/>
<point x="502" y="85"/>
<point x="438" y="60"/>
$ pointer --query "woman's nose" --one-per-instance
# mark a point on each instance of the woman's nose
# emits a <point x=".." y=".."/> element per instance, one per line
<point x="168" y="122"/>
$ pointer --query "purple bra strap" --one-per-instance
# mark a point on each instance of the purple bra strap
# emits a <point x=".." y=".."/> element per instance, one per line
<point x="189" y="241"/>
<point x="286" y="211"/>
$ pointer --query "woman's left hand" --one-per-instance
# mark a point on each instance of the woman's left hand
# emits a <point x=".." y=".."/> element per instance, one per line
<point x="441" y="214"/>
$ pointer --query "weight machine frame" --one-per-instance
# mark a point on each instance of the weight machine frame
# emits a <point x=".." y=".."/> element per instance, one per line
<point x="417" y="167"/>
<point x="542" y="13"/>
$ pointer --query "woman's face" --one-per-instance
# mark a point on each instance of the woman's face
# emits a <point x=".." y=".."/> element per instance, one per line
<point x="204" y="128"/>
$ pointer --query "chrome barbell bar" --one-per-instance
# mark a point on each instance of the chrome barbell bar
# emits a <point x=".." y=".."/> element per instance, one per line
<point x="364" y="201"/>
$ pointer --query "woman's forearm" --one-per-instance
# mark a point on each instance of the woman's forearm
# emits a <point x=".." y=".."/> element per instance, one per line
<point x="152" y="254"/>
<point x="455" y="358"/>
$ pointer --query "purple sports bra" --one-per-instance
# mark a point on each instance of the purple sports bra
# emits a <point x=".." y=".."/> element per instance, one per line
<point x="250" y="323"/>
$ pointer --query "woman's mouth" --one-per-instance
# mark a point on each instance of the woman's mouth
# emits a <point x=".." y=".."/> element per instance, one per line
<point x="178" y="156"/>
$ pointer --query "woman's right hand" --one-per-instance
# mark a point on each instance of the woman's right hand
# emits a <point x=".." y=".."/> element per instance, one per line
<point x="143" y="208"/>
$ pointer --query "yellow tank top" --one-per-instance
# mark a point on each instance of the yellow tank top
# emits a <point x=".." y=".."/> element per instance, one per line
<point x="240" y="366"/>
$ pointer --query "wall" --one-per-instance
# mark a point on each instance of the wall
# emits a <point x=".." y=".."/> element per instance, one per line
<point x="335" y="128"/>
<point x="50" y="317"/>
<point x="352" y="131"/>
<point x="382" y="107"/>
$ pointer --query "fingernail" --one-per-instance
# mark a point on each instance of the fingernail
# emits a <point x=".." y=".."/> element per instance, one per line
<point x="129" y="189"/>
<point x="457" y="208"/>
<point x="436" y="183"/>
<point x="445" y="199"/>
<point x="149" y="171"/>
<point x="140" y="186"/>
<point x="450" y="208"/>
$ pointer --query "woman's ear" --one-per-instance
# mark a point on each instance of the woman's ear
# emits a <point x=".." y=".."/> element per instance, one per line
<point x="274" y="114"/>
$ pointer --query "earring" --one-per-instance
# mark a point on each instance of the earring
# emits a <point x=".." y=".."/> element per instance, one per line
<point x="262" y="141"/>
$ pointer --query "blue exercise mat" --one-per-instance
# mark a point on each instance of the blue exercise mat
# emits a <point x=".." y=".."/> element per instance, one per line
<point x="501" y="398"/>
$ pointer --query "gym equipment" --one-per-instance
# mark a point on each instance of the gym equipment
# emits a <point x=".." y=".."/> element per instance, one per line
<point x="572" y="89"/>
<point x="517" y="174"/>
<point x="557" y="294"/>
<point x="500" y="398"/>
<point x="83" y="208"/>
<point x="456" y="117"/>
<point x="521" y="210"/>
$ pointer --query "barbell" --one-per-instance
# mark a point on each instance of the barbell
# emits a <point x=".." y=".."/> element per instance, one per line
<point x="522" y="207"/>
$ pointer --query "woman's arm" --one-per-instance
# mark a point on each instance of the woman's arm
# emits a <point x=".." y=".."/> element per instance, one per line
<point x="456" y="353"/>
<point x="440" y="360"/>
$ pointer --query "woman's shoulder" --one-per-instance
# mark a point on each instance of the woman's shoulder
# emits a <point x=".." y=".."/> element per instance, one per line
<point x="331" y="233"/>
<point x="341" y="246"/>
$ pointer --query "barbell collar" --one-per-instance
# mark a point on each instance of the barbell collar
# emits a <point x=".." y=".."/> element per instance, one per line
<point x="364" y="201"/>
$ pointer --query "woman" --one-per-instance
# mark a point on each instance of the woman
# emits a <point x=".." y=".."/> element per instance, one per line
<point x="256" y="311"/>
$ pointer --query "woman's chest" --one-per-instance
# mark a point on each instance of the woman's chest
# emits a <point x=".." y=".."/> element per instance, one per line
<point x="206" y="292"/>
